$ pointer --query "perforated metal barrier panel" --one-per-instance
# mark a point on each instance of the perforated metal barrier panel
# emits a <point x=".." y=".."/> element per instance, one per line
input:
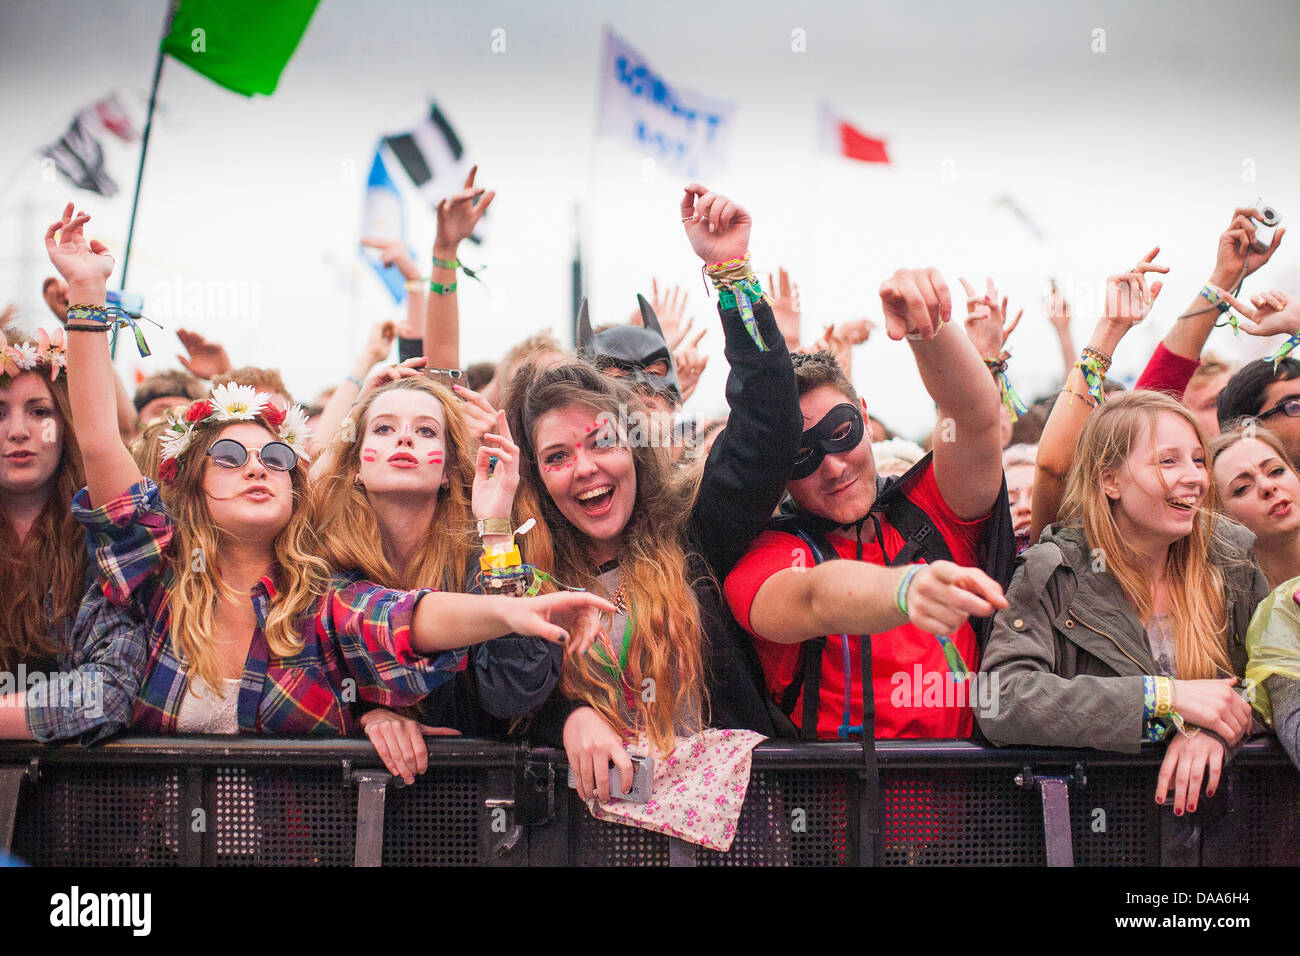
<point x="267" y="803"/>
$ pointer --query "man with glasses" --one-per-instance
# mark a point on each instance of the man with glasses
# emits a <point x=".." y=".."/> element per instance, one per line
<point x="1270" y="396"/>
<point x="879" y="611"/>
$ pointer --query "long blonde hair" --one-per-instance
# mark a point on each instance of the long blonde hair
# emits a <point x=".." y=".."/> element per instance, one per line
<point x="345" y="522"/>
<point x="1195" y="586"/>
<point x="301" y="577"/>
<point x="50" y="563"/>
<point x="665" y="641"/>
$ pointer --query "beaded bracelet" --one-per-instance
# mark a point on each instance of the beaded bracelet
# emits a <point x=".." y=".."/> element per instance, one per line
<point x="97" y="318"/>
<point x="1103" y="360"/>
<point x="1083" y="395"/>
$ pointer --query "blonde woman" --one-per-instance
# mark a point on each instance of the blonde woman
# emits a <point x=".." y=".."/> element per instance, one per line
<point x="249" y="630"/>
<point x="1126" y="622"/>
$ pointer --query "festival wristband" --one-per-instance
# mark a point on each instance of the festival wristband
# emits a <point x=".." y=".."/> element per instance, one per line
<point x="1212" y="295"/>
<point x="1285" y="349"/>
<point x="494" y="526"/>
<point x="110" y="318"/>
<point x="414" y="285"/>
<point x="905" y="582"/>
<point x="1094" y="375"/>
<point x="499" y="560"/>
<point x="1014" y="404"/>
<point x="1164" y="697"/>
<point x="1148" y="699"/>
<point x="451" y="265"/>
<point x="355" y="381"/>
<point x="441" y="288"/>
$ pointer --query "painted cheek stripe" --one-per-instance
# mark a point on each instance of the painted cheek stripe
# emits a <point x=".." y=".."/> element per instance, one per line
<point x="369" y="454"/>
<point x="435" y="458"/>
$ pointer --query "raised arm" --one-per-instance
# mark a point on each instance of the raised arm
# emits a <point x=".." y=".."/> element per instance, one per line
<point x="968" y="449"/>
<point x="1237" y="257"/>
<point x="458" y="216"/>
<point x="86" y="266"/>
<point x="348" y="391"/>
<point x="1128" y="300"/>
<point x="747" y="469"/>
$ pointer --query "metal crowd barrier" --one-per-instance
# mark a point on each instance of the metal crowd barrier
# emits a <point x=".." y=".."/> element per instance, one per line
<point x="184" y="801"/>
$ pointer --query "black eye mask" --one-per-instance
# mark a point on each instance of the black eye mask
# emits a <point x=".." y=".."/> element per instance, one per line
<point x="819" y="441"/>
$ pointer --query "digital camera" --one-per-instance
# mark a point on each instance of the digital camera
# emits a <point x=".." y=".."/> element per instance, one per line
<point x="1265" y="224"/>
<point x="643" y="775"/>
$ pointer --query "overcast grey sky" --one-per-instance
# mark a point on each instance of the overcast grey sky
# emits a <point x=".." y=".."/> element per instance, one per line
<point x="1152" y="141"/>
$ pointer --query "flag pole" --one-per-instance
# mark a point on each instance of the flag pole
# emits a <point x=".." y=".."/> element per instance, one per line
<point x="144" y="145"/>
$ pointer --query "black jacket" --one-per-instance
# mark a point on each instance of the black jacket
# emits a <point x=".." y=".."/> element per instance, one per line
<point x="744" y="479"/>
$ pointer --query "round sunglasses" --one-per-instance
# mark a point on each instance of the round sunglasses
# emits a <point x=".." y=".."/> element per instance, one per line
<point x="275" y="455"/>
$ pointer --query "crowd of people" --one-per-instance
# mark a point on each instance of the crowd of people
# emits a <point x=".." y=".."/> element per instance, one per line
<point x="542" y="547"/>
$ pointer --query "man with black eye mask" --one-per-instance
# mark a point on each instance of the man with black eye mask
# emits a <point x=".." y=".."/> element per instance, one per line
<point x="812" y="621"/>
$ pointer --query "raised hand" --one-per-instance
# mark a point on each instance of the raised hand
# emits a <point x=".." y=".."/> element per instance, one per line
<point x="84" y="264"/>
<point x="1237" y="256"/>
<point x="55" y="293"/>
<point x="494" y="487"/>
<point x="844" y="335"/>
<point x="480" y="417"/>
<point x="1128" y="298"/>
<point x="1058" y="310"/>
<point x="785" y="307"/>
<point x="986" y="320"/>
<point x="408" y="369"/>
<point x="689" y="362"/>
<point x="459" y="215"/>
<point x="669" y="307"/>
<point x="206" y="359"/>
<point x="380" y="341"/>
<point x="916" y="303"/>
<point x="718" y="228"/>
<point x="393" y="252"/>
<point x="1274" y="313"/>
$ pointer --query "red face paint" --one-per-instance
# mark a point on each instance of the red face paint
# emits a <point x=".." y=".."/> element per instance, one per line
<point x="435" y="458"/>
<point x="369" y="454"/>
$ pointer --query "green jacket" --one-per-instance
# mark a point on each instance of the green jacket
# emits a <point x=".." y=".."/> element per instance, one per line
<point x="1070" y="653"/>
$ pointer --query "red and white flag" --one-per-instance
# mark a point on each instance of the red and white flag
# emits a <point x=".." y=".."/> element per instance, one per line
<point x="841" y="137"/>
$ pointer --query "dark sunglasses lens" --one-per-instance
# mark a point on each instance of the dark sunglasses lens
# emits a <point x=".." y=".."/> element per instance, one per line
<point x="278" y="456"/>
<point x="455" y="373"/>
<point x="228" y="453"/>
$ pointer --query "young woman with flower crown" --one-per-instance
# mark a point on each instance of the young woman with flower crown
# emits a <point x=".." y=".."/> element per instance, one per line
<point x="249" y="630"/>
<point x="49" y="620"/>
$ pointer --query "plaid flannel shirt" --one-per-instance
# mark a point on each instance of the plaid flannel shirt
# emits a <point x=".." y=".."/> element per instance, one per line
<point x="356" y="642"/>
<point x="92" y="695"/>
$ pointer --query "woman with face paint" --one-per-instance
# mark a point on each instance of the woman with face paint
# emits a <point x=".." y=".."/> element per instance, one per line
<point x="390" y="502"/>
<point x="618" y="519"/>
<point x="249" y="629"/>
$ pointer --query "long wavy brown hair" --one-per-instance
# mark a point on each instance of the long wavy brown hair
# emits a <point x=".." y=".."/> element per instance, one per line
<point x="345" y="522"/>
<point x="301" y="577"/>
<point x="50" y="562"/>
<point x="1195" y="585"/>
<point x="665" y="642"/>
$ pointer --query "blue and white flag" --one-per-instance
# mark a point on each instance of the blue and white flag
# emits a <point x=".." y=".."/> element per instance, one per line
<point x="384" y="216"/>
<point x="682" y="129"/>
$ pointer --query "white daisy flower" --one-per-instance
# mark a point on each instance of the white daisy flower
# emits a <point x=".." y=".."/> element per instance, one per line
<point x="24" y="355"/>
<point x="294" y="431"/>
<point x="174" y="443"/>
<point x="235" y="403"/>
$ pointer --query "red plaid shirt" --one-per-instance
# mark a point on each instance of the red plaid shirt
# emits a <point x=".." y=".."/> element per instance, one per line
<point x="356" y="642"/>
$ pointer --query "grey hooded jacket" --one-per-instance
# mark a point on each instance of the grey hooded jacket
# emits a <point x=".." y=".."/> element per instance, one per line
<point x="1070" y="653"/>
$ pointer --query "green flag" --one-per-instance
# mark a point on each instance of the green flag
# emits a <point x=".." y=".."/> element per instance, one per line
<point x="242" y="44"/>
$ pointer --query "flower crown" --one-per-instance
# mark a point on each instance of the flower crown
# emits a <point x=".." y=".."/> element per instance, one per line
<point x="25" y="357"/>
<point x="229" y="403"/>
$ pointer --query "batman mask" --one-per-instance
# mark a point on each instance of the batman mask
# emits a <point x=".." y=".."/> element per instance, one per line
<point x="840" y="430"/>
<point x="637" y="353"/>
